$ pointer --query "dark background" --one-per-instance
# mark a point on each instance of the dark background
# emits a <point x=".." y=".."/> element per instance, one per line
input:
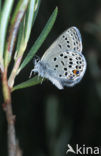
<point x="47" y="119"/>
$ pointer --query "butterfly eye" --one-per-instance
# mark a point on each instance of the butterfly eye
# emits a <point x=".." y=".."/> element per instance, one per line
<point x="36" y="59"/>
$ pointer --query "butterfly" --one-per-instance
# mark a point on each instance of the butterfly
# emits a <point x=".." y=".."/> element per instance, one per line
<point x="63" y="62"/>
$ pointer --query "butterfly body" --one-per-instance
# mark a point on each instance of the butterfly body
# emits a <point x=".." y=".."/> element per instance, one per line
<point x="63" y="63"/>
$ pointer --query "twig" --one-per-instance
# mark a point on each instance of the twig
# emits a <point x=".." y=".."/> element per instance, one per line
<point x="9" y="116"/>
<point x="14" y="72"/>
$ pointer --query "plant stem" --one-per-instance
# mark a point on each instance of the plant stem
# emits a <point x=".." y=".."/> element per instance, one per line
<point x="7" y="107"/>
<point x="14" y="72"/>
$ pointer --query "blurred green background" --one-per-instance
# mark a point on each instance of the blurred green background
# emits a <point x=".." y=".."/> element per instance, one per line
<point x="47" y="119"/>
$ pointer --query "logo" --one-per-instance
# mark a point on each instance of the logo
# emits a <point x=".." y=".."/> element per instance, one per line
<point x="83" y="150"/>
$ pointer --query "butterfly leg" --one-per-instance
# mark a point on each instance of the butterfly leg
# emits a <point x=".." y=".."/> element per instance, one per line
<point x="31" y="73"/>
<point x="42" y="80"/>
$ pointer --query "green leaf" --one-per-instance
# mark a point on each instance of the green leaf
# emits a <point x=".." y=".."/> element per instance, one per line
<point x="31" y="82"/>
<point x="26" y="26"/>
<point x="29" y="19"/>
<point x="15" y="23"/>
<point x="40" y="39"/>
<point x="0" y="8"/>
<point x="4" y="20"/>
<point x="20" y="36"/>
<point x="37" y="5"/>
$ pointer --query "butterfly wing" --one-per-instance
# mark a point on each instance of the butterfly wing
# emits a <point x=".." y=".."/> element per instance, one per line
<point x="70" y="40"/>
<point x="63" y="63"/>
<point x="67" y="67"/>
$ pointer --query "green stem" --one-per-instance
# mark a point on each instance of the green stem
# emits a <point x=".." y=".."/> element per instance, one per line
<point x="7" y="107"/>
<point x="14" y="72"/>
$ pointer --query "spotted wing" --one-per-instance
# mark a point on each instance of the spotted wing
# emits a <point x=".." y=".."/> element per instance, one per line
<point x="70" y="40"/>
<point x="68" y="67"/>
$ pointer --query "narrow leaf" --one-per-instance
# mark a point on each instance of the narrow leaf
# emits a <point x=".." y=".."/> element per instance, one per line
<point x="16" y="20"/>
<point x="20" y="36"/>
<point x="40" y="39"/>
<point x="25" y="27"/>
<point x="0" y="8"/>
<point x="29" y="19"/>
<point x="4" y="23"/>
<point x="31" y="82"/>
<point x="37" y="5"/>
